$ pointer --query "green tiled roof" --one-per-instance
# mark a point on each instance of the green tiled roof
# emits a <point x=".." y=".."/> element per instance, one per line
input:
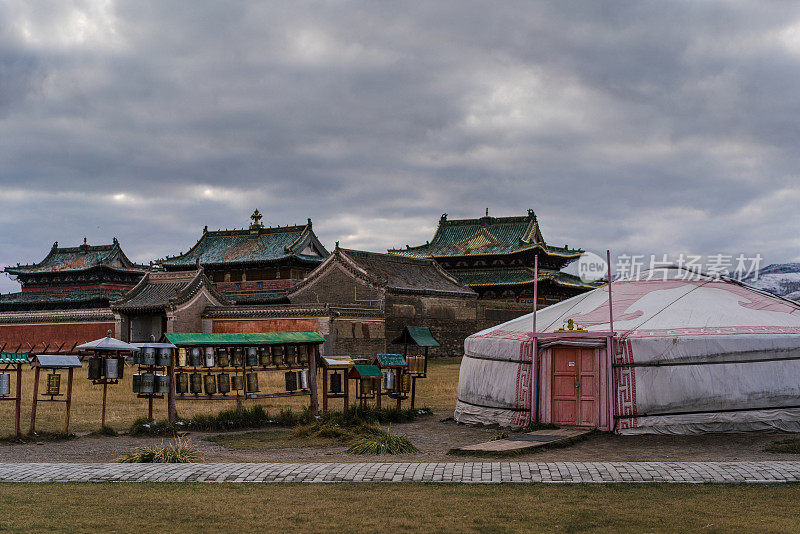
<point x="486" y="236"/>
<point x="264" y="338"/>
<point x="80" y="258"/>
<point x="363" y="371"/>
<point x="515" y="276"/>
<point x="14" y="357"/>
<point x="420" y="336"/>
<point x="390" y="360"/>
<point x="254" y="245"/>
<point x="53" y="298"/>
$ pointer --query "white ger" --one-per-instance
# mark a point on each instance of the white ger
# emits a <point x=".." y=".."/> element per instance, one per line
<point x="690" y="354"/>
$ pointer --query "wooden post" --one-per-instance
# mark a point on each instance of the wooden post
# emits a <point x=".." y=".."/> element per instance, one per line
<point x="312" y="379"/>
<point x="324" y="389"/>
<point x="413" y="390"/>
<point x="18" y="402"/>
<point x="105" y="392"/>
<point x="69" y="399"/>
<point x="172" y="414"/>
<point x="346" y="393"/>
<point x="32" y="429"/>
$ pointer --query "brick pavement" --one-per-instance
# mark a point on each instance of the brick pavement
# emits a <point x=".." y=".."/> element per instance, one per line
<point x="446" y="472"/>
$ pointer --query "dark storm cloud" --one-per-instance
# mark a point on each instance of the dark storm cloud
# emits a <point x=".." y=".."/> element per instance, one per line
<point x="640" y="126"/>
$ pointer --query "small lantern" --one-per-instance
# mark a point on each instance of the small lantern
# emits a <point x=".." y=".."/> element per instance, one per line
<point x="388" y="380"/>
<point x="264" y="357"/>
<point x="252" y="357"/>
<point x="196" y="359"/>
<point x="303" y="379"/>
<point x="147" y="384"/>
<point x="196" y="383"/>
<point x="336" y="383"/>
<point x="237" y="382"/>
<point x="252" y="382"/>
<point x="224" y="383"/>
<point x="112" y="368"/>
<point x="95" y="368"/>
<point x="164" y="357"/>
<point x="182" y="383"/>
<point x="137" y="383"/>
<point x="405" y="383"/>
<point x="5" y="384"/>
<point x="210" y="384"/>
<point x="209" y="360"/>
<point x="182" y="357"/>
<point x="291" y="381"/>
<point x="149" y="356"/>
<point x="223" y="360"/>
<point x="162" y="383"/>
<point x="236" y="357"/>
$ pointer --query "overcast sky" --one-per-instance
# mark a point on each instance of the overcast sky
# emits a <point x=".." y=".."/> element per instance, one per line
<point x="654" y="127"/>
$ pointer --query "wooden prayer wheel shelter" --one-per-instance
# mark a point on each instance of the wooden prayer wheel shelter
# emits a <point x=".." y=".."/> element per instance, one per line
<point x="225" y="366"/>
<point x="418" y="336"/>
<point x="335" y="385"/>
<point x="393" y="367"/>
<point x="13" y="361"/>
<point x="368" y="382"/>
<point x="53" y="363"/>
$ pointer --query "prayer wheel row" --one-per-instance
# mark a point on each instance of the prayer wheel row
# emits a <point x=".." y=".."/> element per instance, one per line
<point x="150" y="384"/>
<point x="223" y="383"/>
<point x="101" y="367"/>
<point x="153" y="356"/>
<point x="274" y="355"/>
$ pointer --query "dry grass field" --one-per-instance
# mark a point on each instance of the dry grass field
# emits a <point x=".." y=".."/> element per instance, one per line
<point x="397" y="508"/>
<point x="437" y="392"/>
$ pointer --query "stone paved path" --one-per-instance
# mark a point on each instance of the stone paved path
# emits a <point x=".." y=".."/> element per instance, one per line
<point x="459" y="472"/>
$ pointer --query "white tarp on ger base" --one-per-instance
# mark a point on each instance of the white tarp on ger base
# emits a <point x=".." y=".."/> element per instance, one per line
<point x="693" y="354"/>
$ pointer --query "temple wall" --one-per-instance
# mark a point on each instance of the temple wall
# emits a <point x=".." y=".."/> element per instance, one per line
<point x="291" y="324"/>
<point x="40" y="337"/>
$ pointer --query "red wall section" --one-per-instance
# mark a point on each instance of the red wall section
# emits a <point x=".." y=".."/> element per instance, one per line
<point x="35" y="337"/>
<point x="265" y="325"/>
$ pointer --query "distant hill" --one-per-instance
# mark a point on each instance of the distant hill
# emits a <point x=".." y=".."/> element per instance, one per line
<point x="779" y="278"/>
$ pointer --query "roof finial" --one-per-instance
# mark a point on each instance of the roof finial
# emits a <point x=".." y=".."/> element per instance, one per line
<point x="337" y="245"/>
<point x="443" y="218"/>
<point x="256" y="216"/>
<point x="487" y="212"/>
<point x="309" y="221"/>
<point x="84" y="241"/>
<point x="55" y="244"/>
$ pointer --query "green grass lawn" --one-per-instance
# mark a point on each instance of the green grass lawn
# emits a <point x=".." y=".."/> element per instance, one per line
<point x="157" y="507"/>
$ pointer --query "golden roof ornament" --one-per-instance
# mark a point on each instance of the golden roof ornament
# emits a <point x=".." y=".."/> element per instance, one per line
<point x="570" y="326"/>
<point x="256" y="216"/>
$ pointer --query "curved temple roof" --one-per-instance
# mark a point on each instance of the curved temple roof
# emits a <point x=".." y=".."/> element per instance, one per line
<point x="80" y="258"/>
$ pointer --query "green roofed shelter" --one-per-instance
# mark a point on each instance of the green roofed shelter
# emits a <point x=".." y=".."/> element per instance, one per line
<point x="390" y="360"/>
<point x="365" y="371"/>
<point x="420" y="336"/>
<point x="261" y="338"/>
<point x="14" y="357"/>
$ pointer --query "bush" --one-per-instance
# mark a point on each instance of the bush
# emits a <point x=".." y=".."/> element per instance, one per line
<point x="180" y="451"/>
<point x="382" y="443"/>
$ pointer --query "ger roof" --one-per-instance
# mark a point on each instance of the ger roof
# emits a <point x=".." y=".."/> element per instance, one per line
<point x="485" y="237"/>
<point x="80" y="258"/>
<point x="258" y="244"/>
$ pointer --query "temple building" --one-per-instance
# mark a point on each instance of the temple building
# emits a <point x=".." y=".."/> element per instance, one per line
<point x="65" y="298"/>
<point x="494" y="256"/>
<point x="256" y="265"/>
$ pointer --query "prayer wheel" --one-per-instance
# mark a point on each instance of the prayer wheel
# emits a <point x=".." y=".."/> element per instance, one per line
<point x="405" y="383"/>
<point x="237" y="382"/>
<point x="149" y="356"/>
<point x="181" y="357"/>
<point x="291" y="381"/>
<point x="209" y="359"/>
<point x="182" y="383"/>
<point x="366" y="385"/>
<point x="210" y="383"/>
<point x="95" y="368"/>
<point x="5" y="384"/>
<point x="277" y="354"/>
<point x="53" y="384"/>
<point x="112" y="368"/>
<point x="388" y="380"/>
<point x="162" y="384"/>
<point x="164" y="357"/>
<point x="224" y="383"/>
<point x="252" y="357"/>
<point x="293" y="356"/>
<point x="147" y="386"/>
<point x="336" y="383"/>
<point x="195" y="383"/>
<point x="137" y="383"/>
<point x="120" y="366"/>
<point x="264" y="357"/>
<point x="196" y="357"/>
<point x="302" y="354"/>
<point x="252" y="382"/>
<point x="303" y="379"/>
<point x="223" y="360"/>
<point x="236" y="357"/>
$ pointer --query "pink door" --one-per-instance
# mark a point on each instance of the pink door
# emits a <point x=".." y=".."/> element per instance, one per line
<point x="574" y="386"/>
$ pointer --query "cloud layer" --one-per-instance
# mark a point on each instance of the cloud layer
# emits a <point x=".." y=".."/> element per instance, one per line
<point x="661" y="127"/>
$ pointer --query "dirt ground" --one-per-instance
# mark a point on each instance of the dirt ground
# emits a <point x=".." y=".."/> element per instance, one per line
<point x="434" y="436"/>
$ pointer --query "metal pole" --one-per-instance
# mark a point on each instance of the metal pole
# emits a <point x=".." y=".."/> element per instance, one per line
<point x="535" y="289"/>
<point x="18" y="402"/>
<point x="610" y="349"/>
<point x="534" y="385"/>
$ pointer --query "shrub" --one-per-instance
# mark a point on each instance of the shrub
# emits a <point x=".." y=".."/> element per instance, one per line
<point x="383" y="443"/>
<point x="180" y="451"/>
